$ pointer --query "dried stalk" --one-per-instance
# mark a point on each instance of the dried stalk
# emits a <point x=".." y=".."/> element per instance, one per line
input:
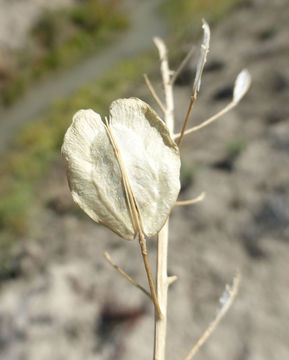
<point x="153" y="92"/>
<point x="230" y="295"/>
<point x="125" y="275"/>
<point x="208" y="121"/>
<point x="163" y="281"/>
<point x="183" y="64"/>
<point x="136" y="220"/>
<point x="197" y="82"/>
<point x="191" y="201"/>
<point x="242" y="84"/>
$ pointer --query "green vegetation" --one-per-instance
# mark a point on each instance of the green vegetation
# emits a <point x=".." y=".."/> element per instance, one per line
<point x="234" y="148"/>
<point x="188" y="173"/>
<point x="184" y="15"/>
<point x="38" y="144"/>
<point x="62" y="37"/>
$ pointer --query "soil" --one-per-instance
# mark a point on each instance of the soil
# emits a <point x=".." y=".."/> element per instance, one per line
<point x="64" y="301"/>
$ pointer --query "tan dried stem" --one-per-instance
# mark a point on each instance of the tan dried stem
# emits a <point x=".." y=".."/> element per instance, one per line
<point x="163" y="281"/>
<point x="135" y="218"/>
<point x="200" y="68"/>
<point x="168" y="89"/>
<point x="142" y="242"/>
<point x="242" y="85"/>
<point x="125" y="275"/>
<point x="182" y="64"/>
<point x="209" y="120"/>
<point x="153" y="93"/>
<point x="225" y="307"/>
<point x="191" y="201"/>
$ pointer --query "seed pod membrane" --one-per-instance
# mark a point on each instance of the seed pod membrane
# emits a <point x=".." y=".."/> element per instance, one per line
<point x="150" y="158"/>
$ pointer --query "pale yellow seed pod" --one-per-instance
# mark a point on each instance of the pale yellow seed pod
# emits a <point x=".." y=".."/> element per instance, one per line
<point x="150" y="158"/>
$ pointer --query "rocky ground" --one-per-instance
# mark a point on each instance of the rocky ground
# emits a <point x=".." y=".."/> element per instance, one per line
<point x="66" y="302"/>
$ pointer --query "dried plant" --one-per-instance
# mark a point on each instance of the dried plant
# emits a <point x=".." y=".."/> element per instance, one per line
<point x="124" y="172"/>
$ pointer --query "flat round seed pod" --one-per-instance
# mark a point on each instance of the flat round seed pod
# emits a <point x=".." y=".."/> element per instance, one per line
<point x="150" y="161"/>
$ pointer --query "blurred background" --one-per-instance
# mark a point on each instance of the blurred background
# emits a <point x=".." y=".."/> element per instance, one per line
<point x="59" y="299"/>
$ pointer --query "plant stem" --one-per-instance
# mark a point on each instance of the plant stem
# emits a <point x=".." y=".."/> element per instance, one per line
<point x="163" y="280"/>
<point x="142" y="242"/>
<point x="168" y="88"/>
<point x="162" y="294"/>
<point x="125" y="275"/>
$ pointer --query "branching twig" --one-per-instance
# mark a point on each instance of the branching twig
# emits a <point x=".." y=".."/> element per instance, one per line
<point x="208" y="121"/>
<point x="125" y="275"/>
<point x="197" y="83"/>
<point x="182" y="64"/>
<point x="142" y="242"/>
<point x="242" y="84"/>
<point x="226" y="300"/>
<point x="168" y="89"/>
<point x="153" y="92"/>
<point x="192" y="201"/>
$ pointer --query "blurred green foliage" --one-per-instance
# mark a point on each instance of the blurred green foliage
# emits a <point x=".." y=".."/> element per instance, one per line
<point x="188" y="173"/>
<point x="184" y="15"/>
<point x="235" y="147"/>
<point x="38" y="144"/>
<point x="61" y="38"/>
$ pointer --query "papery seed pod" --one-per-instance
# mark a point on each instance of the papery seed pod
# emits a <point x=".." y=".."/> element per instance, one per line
<point x="150" y="160"/>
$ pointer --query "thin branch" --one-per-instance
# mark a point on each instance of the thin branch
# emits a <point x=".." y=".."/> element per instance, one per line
<point x="197" y="82"/>
<point x="125" y="275"/>
<point x="142" y="242"/>
<point x="182" y="133"/>
<point x="242" y="84"/>
<point x="208" y="121"/>
<point x="172" y="279"/>
<point x="153" y="93"/>
<point x="168" y="89"/>
<point x="226" y="301"/>
<point x="183" y="64"/>
<point x="192" y="201"/>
